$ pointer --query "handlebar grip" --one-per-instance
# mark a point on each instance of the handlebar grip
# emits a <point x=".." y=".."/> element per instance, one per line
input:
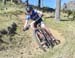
<point x="24" y="29"/>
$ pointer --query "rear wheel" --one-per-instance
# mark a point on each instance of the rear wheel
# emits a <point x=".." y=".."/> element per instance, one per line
<point x="52" y="40"/>
<point x="48" y="38"/>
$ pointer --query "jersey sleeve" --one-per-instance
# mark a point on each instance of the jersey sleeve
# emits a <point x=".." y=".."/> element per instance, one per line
<point x="28" y="17"/>
<point x="38" y="11"/>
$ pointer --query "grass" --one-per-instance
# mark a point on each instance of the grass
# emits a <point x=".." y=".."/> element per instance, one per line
<point x="21" y="46"/>
<point x="11" y="8"/>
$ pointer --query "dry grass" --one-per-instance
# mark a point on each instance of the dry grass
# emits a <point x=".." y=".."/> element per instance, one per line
<point x="24" y="45"/>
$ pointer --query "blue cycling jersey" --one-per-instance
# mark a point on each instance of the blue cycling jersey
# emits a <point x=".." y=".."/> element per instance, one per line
<point x="33" y="16"/>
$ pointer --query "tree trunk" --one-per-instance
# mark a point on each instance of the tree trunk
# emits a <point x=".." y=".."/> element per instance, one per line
<point x="27" y="2"/>
<point x="57" y="12"/>
<point x="39" y="3"/>
<point x="4" y="2"/>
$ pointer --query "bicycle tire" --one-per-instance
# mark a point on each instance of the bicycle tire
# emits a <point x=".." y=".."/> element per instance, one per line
<point x="54" y="40"/>
<point x="48" y="38"/>
<point x="47" y="44"/>
<point x="38" y="40"/>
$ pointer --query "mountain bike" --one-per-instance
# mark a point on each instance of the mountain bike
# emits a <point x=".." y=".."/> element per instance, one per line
<point x="43" y="38"/>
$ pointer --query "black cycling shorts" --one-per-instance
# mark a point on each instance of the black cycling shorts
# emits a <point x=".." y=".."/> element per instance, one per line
<point x="38" y="22"/>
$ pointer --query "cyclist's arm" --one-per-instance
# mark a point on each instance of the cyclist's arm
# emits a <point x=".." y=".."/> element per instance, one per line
<point x="32" y="23"/>
<point x="26" y="22"/>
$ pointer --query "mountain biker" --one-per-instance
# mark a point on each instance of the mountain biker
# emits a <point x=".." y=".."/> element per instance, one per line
<point x="36" y="17"/>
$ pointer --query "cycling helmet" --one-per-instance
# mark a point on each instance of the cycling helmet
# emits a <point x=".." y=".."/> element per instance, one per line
<point x="29" y="8"/>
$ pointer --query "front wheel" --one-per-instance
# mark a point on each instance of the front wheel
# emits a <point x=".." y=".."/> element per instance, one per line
<point x="50" y="38"/>
<point x="38" y="39"/>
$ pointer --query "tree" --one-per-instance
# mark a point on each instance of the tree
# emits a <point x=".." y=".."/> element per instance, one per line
<point x="39" y="3"/>
<point x="57" y="12"/>
<point x="4" y="2"/>
<point x="27" y="2"/>
<point x="64" y="8"/>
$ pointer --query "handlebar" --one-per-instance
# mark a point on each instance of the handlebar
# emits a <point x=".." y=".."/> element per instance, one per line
<point x="26" y="28"/>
